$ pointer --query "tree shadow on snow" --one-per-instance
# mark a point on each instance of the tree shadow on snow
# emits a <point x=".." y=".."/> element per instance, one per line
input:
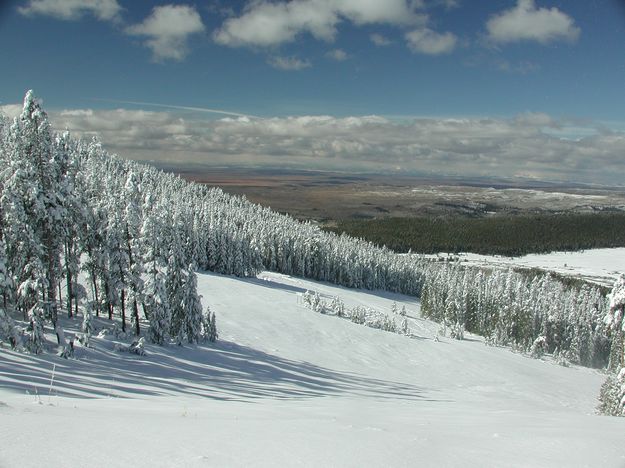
<point x="267" y="283"/>
<point x="225" y="371"/>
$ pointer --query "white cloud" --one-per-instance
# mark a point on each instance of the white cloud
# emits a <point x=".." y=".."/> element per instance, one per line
<point x="167" y="30"/>
<point x="337" y="54"/>
<point x="288" y="63"/>
<point x="429" y="42"/>
<point x="525" y="22"/>
<point x="106" y="10"/>
<point x="268" y="24"/>
<point x="11" y="110"/>
<point x="380" y="40"/>
<point x="529" y="144"/>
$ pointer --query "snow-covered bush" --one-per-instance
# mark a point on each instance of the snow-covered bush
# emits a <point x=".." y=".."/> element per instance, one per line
<point x="136" y="347"/>
<point x="8" y="330"/>
<point x="35" y="331"/>
<point x="539" y="347"/>
<point x="456" y="331"/>
<point x="405" y="330"/>
<point x="337" y="307"/>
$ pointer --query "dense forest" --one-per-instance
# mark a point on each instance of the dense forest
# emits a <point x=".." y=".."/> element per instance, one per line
<point x="496" y="235"/>
<point x="138" y="235"/>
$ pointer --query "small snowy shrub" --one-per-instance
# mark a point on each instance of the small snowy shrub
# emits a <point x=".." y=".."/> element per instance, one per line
<point x="137" y="347"/>
<point x="456" y="331"/>
<point x="358" y="315"/>
<point x="337" y="307"/>
<point x="404" y="327"/>
<point x="539" y="347"/>
<point x="36" y="338"/>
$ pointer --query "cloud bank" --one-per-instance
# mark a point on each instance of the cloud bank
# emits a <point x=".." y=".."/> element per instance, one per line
<point x="528" y="146"/>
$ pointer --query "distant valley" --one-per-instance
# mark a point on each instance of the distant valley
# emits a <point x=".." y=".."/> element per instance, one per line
<point x="328" y="196"/>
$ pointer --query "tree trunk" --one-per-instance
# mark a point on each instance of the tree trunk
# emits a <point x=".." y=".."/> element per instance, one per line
<point x="71" y="296"/>
<point x="123" y="298"/>
<point x="135" y="312"/>
<point x="96" y="295"/>
<point x="109" y="305"/>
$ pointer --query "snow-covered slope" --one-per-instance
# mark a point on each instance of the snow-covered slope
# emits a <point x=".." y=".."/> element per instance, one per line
<point x="285" y="386"/>
<point x="600" y="266"/>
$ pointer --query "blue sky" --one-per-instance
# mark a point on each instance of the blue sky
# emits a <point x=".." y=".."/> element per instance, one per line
<point x="520" y="88"/>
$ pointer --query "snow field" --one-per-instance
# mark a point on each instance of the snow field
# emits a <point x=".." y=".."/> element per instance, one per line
<point x="285" y="386"/>
<point x="601" y="266"/>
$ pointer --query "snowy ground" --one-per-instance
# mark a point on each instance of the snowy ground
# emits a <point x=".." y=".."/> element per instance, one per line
<point x="601" y="266"/>
<point x="285" y="386"/>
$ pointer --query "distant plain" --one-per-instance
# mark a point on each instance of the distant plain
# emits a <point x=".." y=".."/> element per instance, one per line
<point x="329" y="196"/>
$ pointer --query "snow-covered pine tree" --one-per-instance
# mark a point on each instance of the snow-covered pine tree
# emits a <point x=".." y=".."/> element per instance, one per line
<point x="45" y="209"/>
<point x="119" y="262"/>
<point x="209" y="325"/>
<point x="64" y="150"/>
<point x="87" y="327"/>
<point x="8" y="330"/>
<point x="212" y="331"/>
<point x="612" y="395"/>
<point x="6" y="283"/>
<point x="192" y="307"/>
<point x="133" y="219"/>
<point x="176" y="279"/>
<point x="156" y="298"/>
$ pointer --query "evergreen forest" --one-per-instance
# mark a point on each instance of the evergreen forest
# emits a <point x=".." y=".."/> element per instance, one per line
<point x="501" y="234"/>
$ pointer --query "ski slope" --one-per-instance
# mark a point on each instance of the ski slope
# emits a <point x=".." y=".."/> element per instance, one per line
<point x="285" y="386"/>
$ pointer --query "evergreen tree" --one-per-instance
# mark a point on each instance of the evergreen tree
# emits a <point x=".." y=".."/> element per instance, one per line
<point x="212" y="331"/>
<point x="156" y="298"/>
<point x="192" y="307"/>
<point x="612" y="396"/>
<point x="45" y="210"/>
<point x="209" y="325"/>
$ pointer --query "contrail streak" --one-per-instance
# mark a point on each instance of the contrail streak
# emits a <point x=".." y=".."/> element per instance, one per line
<point x="168" y="106"/>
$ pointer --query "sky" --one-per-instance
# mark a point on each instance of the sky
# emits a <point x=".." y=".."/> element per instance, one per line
<point x="530" y="89"/>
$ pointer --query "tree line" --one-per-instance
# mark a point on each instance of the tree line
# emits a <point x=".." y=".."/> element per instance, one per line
<point x="510" y="235"/>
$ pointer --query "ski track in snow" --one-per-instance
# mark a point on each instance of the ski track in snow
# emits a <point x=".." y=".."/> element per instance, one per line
<point x="285" y="386"/>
